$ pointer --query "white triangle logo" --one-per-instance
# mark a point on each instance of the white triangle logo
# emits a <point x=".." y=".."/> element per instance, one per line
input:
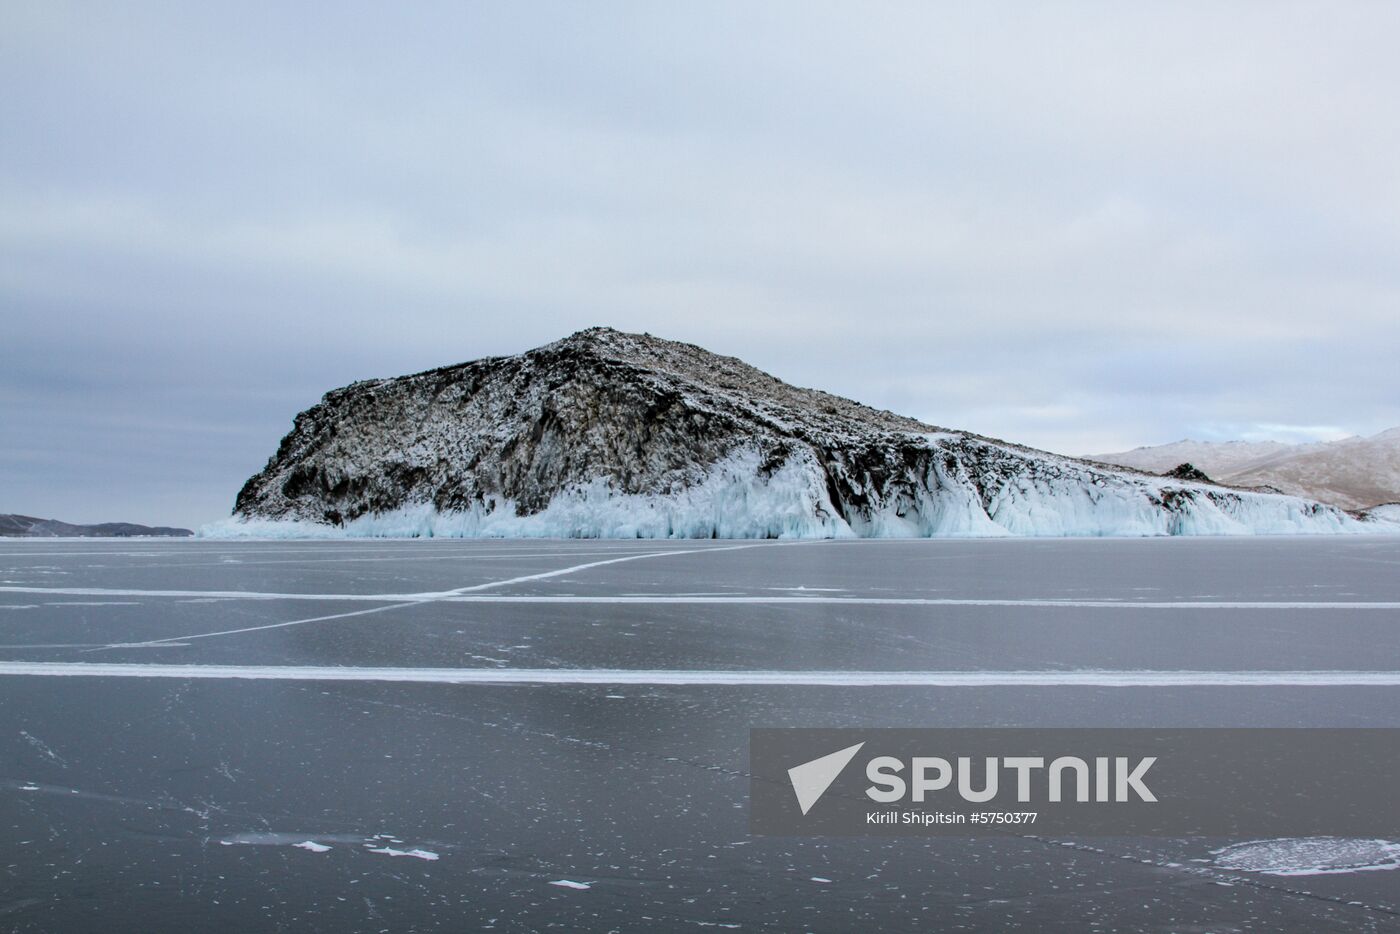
<point x="810" y="780"/>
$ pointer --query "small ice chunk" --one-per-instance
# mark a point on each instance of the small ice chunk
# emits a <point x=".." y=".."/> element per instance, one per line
<point x="570" y="884"/>
<point x="820" y="879"/>
<point x="311" y="845"/>
<point x="417" y="854"/>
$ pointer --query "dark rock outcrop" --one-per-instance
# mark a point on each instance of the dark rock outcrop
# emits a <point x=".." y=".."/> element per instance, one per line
<point x="1188" y="472"/>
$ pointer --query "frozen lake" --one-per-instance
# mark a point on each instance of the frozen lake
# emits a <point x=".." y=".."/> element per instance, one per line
<point x="471" y="723"/>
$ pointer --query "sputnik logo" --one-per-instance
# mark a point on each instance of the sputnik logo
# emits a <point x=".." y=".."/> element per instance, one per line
<point x="810" y="780"/>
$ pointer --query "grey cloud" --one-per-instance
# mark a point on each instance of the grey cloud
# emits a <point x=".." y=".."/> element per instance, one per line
<point x="1082" y="227"/>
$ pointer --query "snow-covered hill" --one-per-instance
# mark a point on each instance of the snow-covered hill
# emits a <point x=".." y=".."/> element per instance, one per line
<point x="1353" y="473"/>
<point x="1217" y="459"/>
<point x="622" y="435"/>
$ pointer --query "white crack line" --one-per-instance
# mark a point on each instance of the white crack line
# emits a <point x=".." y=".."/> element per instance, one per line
<point x="612" y="676"/>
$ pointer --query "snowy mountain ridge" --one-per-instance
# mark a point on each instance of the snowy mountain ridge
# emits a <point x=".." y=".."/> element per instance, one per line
<point x="1217" y="458"/>
<point x="1354" y="473"/>
<point x="13" y="525"/>
<point x="621" y="435"/>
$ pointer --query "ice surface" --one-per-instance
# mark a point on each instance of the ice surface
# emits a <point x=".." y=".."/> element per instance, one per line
<point x="294" y="770"/>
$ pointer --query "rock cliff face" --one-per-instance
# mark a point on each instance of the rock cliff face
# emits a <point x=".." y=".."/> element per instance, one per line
<point x="612" y="434"/>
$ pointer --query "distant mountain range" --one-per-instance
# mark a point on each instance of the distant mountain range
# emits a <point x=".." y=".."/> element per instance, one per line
<point x="1354" y="473"/>
<point x="16" y="526"/>
<point x="606" y="434"/>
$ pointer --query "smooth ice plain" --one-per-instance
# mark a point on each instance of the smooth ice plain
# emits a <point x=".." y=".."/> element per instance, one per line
<point x="533" y="735"/>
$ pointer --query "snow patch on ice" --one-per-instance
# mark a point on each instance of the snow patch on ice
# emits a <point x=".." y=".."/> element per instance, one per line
<point x="312" y="843"/>
<point x="1309" y="856"/>
<point x="415" y="853"/>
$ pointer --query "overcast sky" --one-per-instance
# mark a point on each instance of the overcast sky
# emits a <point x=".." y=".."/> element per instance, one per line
<point x="1083" y="227"/>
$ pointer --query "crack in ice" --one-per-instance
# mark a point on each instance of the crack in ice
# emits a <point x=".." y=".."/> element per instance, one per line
<point x="794" y="678"/>
<point x="415" y="599"/>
